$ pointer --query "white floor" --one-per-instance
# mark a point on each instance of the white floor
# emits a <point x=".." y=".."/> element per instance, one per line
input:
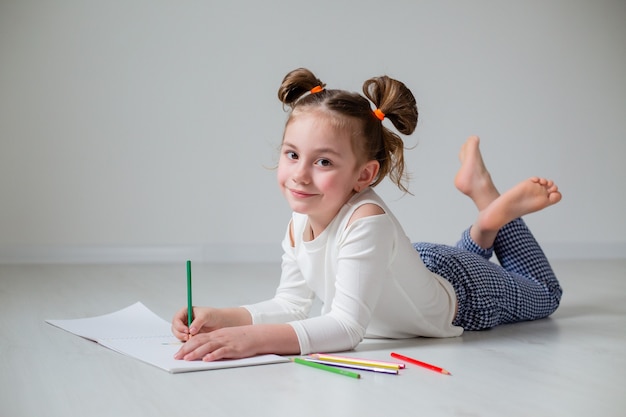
<point x="572" y="364"/>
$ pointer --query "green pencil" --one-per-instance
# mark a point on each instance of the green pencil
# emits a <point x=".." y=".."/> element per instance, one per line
<point x="189" y="304"/>
<point x="327" y="368"/>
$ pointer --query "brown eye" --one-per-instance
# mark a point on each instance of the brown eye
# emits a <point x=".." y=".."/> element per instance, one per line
<point x="324" y="163"/>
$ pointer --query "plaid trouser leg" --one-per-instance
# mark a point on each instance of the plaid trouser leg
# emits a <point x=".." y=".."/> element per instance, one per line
<point x="522" y="288"/>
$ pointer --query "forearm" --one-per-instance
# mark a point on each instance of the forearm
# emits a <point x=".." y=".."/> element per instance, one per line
<point x="241" y="342"/>
<point x="269" y="338"/>
<point x="280" y="339"/>
<point x="233" y="317"/>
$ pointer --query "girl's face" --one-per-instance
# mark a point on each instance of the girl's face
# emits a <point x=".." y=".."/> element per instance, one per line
<point x="318" y="170"/>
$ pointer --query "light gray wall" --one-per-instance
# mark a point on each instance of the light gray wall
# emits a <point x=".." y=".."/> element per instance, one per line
<point x="143" y="130"/>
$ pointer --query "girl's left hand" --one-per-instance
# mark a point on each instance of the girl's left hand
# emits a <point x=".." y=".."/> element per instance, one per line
<point x="226" y="343"/>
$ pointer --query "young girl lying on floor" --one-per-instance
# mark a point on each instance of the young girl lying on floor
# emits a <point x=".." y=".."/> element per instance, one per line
<point x="344" y="245"/>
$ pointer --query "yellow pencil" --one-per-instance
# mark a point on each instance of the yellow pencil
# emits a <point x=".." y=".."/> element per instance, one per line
<point x="357" y="361"/>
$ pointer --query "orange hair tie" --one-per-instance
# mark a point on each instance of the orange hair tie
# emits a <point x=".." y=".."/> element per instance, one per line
<point x="317" y="89"/>
<point x="379" y="114"/>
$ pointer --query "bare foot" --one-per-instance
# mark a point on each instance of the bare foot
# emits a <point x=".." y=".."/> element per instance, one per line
<point x="473" y="179"/>
<point x="528" y="196"/>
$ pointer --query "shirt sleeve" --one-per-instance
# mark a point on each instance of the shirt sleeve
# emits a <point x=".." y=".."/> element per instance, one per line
<point x="365" y="251"/>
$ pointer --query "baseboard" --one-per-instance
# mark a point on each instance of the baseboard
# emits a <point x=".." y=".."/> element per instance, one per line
<point x="230" y="253"/>
<point x="233" y="253"/>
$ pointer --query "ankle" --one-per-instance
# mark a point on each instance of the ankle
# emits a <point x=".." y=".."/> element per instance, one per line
<point x="482" y="236"/>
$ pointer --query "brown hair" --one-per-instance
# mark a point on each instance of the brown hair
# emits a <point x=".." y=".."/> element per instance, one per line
<point x="370" y="139"/>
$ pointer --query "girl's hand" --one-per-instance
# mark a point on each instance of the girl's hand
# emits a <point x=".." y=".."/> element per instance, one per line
<point x="225" y="343"/>
<point x="206" y="319"/>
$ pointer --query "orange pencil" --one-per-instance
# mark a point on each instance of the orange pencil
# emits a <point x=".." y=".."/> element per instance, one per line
<point x="420" y="363"/>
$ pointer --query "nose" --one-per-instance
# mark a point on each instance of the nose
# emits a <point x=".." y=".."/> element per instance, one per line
<point x="301" y="174"/>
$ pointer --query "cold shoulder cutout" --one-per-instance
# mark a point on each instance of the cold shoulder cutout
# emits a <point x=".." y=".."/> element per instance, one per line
<point x="365" y="210"/>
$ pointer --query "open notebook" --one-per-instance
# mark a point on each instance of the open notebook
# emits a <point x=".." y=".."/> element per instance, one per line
<point x="137" y="332"/>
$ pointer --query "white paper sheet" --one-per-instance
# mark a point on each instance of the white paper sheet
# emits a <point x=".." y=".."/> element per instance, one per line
<point x="137" y="332"/>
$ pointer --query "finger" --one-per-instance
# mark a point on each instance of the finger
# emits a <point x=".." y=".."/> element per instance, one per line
<point x="185" y="349"/>
<point x="198" y="323"/>
<point x="180" y="334"/>
<point x="199" y="352"/>
<point x="180" y="318"/>
<point x="179" y="327"/>
<point x="217" y="354"/>
<point x="194" y="348"/>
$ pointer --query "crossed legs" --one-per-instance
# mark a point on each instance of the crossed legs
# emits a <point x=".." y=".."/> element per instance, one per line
<point x="494" y="209"/>
<point x="523" y="286"/>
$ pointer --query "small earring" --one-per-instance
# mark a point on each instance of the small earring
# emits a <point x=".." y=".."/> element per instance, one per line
<point x="357" y="189"/>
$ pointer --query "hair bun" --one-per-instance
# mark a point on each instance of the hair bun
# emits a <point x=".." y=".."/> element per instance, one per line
<point x="296" y="84"/>
<point x="395" y="100"/>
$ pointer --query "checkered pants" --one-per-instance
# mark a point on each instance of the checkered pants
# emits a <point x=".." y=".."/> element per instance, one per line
<point x="522" y="287"/>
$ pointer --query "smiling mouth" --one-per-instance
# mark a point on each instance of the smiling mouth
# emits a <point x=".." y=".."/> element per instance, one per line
<point x="300" y="194"/>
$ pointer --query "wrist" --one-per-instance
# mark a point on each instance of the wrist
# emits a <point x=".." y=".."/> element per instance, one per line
<point x="233" y="317"/>
<point x="280" y="339"/>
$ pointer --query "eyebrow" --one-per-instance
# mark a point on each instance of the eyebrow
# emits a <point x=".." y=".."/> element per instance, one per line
<point x="317" y="150"/>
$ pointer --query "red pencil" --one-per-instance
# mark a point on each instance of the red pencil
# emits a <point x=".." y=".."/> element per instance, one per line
<point x="420" y="363"/>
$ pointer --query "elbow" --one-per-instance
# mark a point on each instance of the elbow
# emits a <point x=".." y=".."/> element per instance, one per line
<point x="355" y="335"/>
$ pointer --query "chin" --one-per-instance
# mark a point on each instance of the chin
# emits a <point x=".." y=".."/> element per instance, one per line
<point x="300" y="208"/>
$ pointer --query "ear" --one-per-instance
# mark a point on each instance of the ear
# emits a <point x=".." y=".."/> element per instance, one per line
<point x="367" y="175"/>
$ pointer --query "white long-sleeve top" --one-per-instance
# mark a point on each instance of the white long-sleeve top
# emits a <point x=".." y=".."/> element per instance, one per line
<point x="370" y="279"/>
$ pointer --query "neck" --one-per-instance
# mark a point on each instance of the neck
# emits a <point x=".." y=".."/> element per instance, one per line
<point x="318" y="225"/>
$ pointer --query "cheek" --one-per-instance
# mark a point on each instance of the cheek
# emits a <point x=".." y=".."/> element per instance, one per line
<point x="281" y="174"/>
<point x="329" y="183"/>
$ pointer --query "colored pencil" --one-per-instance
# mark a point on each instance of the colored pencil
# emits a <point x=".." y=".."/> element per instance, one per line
<point x="355" y="366"/>
<point x="419" y="363"/>
<point x="327" y="368"/>
<point x="189" y="304"/>
<point x="357" y="361"/>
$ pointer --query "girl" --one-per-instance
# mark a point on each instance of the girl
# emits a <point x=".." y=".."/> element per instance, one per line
<point x="344" y="245"/>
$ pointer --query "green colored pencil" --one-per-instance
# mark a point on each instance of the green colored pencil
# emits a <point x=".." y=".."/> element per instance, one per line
<point x="189" y="304"/>
<point x="327" y="368"/>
